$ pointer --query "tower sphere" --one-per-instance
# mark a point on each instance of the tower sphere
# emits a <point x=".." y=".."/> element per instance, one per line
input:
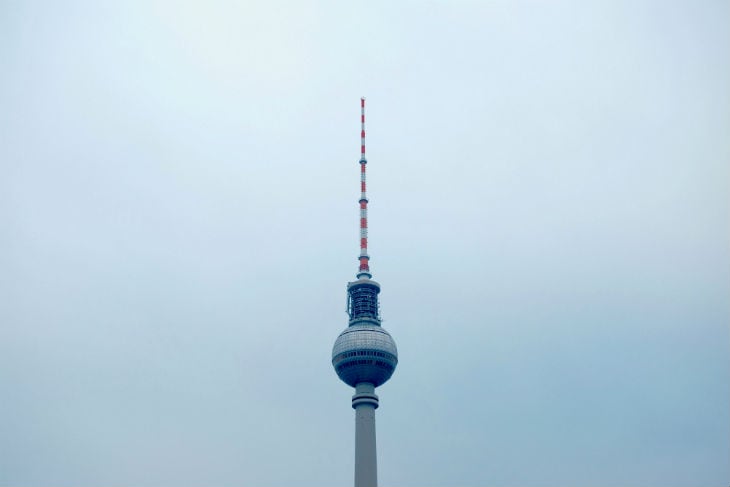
<point x="364" y="352"/>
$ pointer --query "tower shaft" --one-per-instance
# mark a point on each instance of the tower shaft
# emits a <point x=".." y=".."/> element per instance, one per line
<point x="365" y="401"/>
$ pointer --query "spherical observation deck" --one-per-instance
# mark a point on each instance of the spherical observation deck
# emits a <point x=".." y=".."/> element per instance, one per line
<point x="364" y="352"/>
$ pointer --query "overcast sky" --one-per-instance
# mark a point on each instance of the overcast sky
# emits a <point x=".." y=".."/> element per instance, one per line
<point x="549" y="221"/>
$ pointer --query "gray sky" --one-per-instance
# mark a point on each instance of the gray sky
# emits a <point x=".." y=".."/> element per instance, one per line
<point x="549" y="217"/>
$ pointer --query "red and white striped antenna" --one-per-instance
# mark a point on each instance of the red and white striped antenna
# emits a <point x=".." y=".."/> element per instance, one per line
<point x="364" y="270"/>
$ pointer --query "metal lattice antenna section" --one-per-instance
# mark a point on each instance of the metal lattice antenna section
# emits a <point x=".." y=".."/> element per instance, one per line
<point x="364" y="269"/>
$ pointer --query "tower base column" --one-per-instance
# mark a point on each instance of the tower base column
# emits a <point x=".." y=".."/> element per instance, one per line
<point x="365" y="402"/>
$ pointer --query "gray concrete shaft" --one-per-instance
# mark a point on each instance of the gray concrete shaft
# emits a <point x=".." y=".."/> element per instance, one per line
<point x="365" y="401"/>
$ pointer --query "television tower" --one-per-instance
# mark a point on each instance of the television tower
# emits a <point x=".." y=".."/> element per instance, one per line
<point x="364" y="355"/>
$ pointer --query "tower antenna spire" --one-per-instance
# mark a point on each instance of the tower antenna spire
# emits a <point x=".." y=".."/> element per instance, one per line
<point x="364" y="269"/>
